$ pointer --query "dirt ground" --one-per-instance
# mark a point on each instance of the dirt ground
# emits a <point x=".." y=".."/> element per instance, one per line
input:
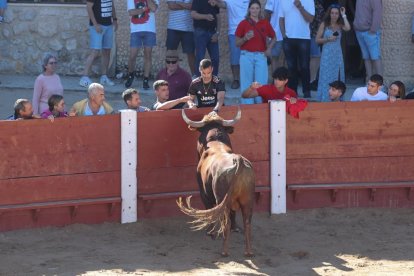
<point x="308" y="242"/>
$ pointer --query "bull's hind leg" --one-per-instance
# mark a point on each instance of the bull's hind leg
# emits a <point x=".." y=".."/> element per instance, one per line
<point x="234" y="226"/>
<point x="225" y="251"/>
<point x="247" y="211"/>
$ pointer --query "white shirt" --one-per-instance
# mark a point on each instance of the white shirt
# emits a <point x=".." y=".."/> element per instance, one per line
<point x="88" y="110"/>
<point x="236" y="12"/>
<point x="273" y="6"/>
<point x="295" y="25"/>
<point x="361" y="94"/>
<point x="149" y="25"/>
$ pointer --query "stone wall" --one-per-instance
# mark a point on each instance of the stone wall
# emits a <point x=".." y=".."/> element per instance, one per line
<point x="33" y="29"/>
<point x="30" y="30"/>
<point x="397" y="48"/>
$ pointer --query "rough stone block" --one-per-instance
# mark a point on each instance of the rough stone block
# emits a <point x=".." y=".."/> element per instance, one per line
<point x="55" y="44"/>
<point x="47" y="27"/>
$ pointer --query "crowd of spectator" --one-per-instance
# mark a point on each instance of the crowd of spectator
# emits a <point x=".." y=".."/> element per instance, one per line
<point x="304" y="29"/>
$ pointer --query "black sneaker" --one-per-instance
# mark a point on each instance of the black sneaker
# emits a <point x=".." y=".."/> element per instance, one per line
<point x="145" y="84"/>
<point x="314" y="85"/>
<point x="130" y="79"/>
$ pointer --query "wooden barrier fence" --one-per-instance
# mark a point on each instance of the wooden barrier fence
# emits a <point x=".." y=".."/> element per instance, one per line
<point x="338" y="155"/>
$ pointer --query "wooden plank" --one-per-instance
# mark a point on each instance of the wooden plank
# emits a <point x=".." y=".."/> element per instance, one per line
<point x="62" y="203"/>
<point x="352" y="130"/>
<point x="66" y="146"/>
<point x="62" y="187"/>
<point x="348" y="170"/>
<point x="360" y="185"/>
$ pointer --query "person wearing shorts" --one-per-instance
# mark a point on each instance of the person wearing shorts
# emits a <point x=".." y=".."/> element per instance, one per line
<point x="272" y="12"/>
<point x="102" y="22"/>
<point x="236" y="11"/>
<point x="3" y="7"/>
<point x="180" y="30"/>
<point x="142" y="13"/>
<point x="367" y="25"/>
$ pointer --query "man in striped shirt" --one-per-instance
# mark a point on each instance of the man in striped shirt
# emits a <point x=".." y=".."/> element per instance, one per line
<point x="180" y="30"/>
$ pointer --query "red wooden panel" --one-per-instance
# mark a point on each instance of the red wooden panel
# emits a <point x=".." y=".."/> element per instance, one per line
<point x="344" y="170"/>
<point x="68" y="145"/>
<point x="178" y="179"/>
<point x="90" y="214"/>
<point x="63" y="187"/>
<point x="352" y="130"/>
<point x="164" y="140"/>
<point x="384" y="198"/>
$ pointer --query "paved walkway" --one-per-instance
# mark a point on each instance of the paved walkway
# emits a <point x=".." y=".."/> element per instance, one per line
<point x="14" y="86"/>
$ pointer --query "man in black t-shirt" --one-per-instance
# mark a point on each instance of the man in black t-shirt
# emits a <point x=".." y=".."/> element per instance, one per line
<point x="206" y="31"/>
<point x="208" y="89"/>
<point x="102" y="24"/>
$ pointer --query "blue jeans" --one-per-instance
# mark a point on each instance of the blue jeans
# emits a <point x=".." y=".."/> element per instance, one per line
<point x="253" y="67"/>
<point x="202" y="40"/>
<point x="297" y="51"/>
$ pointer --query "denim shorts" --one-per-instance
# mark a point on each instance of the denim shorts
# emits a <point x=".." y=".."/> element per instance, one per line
<point x="101" y="40"/>
<point x="234" y="50"/>
<point x="142" y="39"/>
<point x="3" y="4"/>
<point x="277" y="48"/>
<point x="370" y="44"/>
<point x="174" y="37"/>
<point x="315" y="49"/>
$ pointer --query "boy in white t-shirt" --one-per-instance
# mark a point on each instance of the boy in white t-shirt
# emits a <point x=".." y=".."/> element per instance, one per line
<point x="142" y="35"/>
<point x="371" y="92"/>
<point x="236" y="12"/>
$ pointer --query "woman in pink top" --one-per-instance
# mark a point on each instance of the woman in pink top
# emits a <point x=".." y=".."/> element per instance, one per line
<point x="46" y="84"/>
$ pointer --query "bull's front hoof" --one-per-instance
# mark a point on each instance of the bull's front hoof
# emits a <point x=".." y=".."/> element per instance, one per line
<point x="224" y="254"/>
<point x="248" y="254"/>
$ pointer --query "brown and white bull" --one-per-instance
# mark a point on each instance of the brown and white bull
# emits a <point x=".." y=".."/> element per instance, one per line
<point x="226" y="181"/>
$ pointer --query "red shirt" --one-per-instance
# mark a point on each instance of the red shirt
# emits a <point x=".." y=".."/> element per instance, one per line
<point x="269" y="92"/>
<point x="258" y="42"/>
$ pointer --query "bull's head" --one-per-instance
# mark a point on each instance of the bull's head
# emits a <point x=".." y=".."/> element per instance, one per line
<point x="210" y="118"/>
<point x="212" y="128"/>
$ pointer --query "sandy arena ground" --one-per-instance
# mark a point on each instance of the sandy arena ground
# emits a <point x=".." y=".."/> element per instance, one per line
<point x="309" y="242"/>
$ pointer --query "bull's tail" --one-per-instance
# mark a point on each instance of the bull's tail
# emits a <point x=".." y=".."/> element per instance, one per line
<point x="216" y="218"/>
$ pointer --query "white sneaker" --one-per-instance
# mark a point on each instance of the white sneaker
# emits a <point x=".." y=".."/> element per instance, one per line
<point x="106" y="81"/>
<point x="85" y="81"/>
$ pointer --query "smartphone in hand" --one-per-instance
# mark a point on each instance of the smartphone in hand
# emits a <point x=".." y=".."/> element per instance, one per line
<point x="335" y="33"/>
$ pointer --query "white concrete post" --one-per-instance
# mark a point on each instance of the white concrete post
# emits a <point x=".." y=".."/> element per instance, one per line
<point x="278" y="157"/>
<point x="129" y="166"/>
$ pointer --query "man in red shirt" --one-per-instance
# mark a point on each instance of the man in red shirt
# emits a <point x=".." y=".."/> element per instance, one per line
<point x="276" y="91"/>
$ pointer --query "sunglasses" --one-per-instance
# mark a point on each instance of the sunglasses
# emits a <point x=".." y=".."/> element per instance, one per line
<point x="52" y="63"/>
<point x="171" y="61"/>
<point x="335" y="6"/>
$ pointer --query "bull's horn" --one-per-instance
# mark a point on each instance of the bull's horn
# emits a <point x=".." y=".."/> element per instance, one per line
<point x="191" y="123"/>
<point x="235" y="119"/>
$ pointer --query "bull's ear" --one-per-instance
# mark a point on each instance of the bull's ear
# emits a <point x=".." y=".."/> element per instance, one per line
<point x="192" y="128"/>
<point x="229" y="130"/>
